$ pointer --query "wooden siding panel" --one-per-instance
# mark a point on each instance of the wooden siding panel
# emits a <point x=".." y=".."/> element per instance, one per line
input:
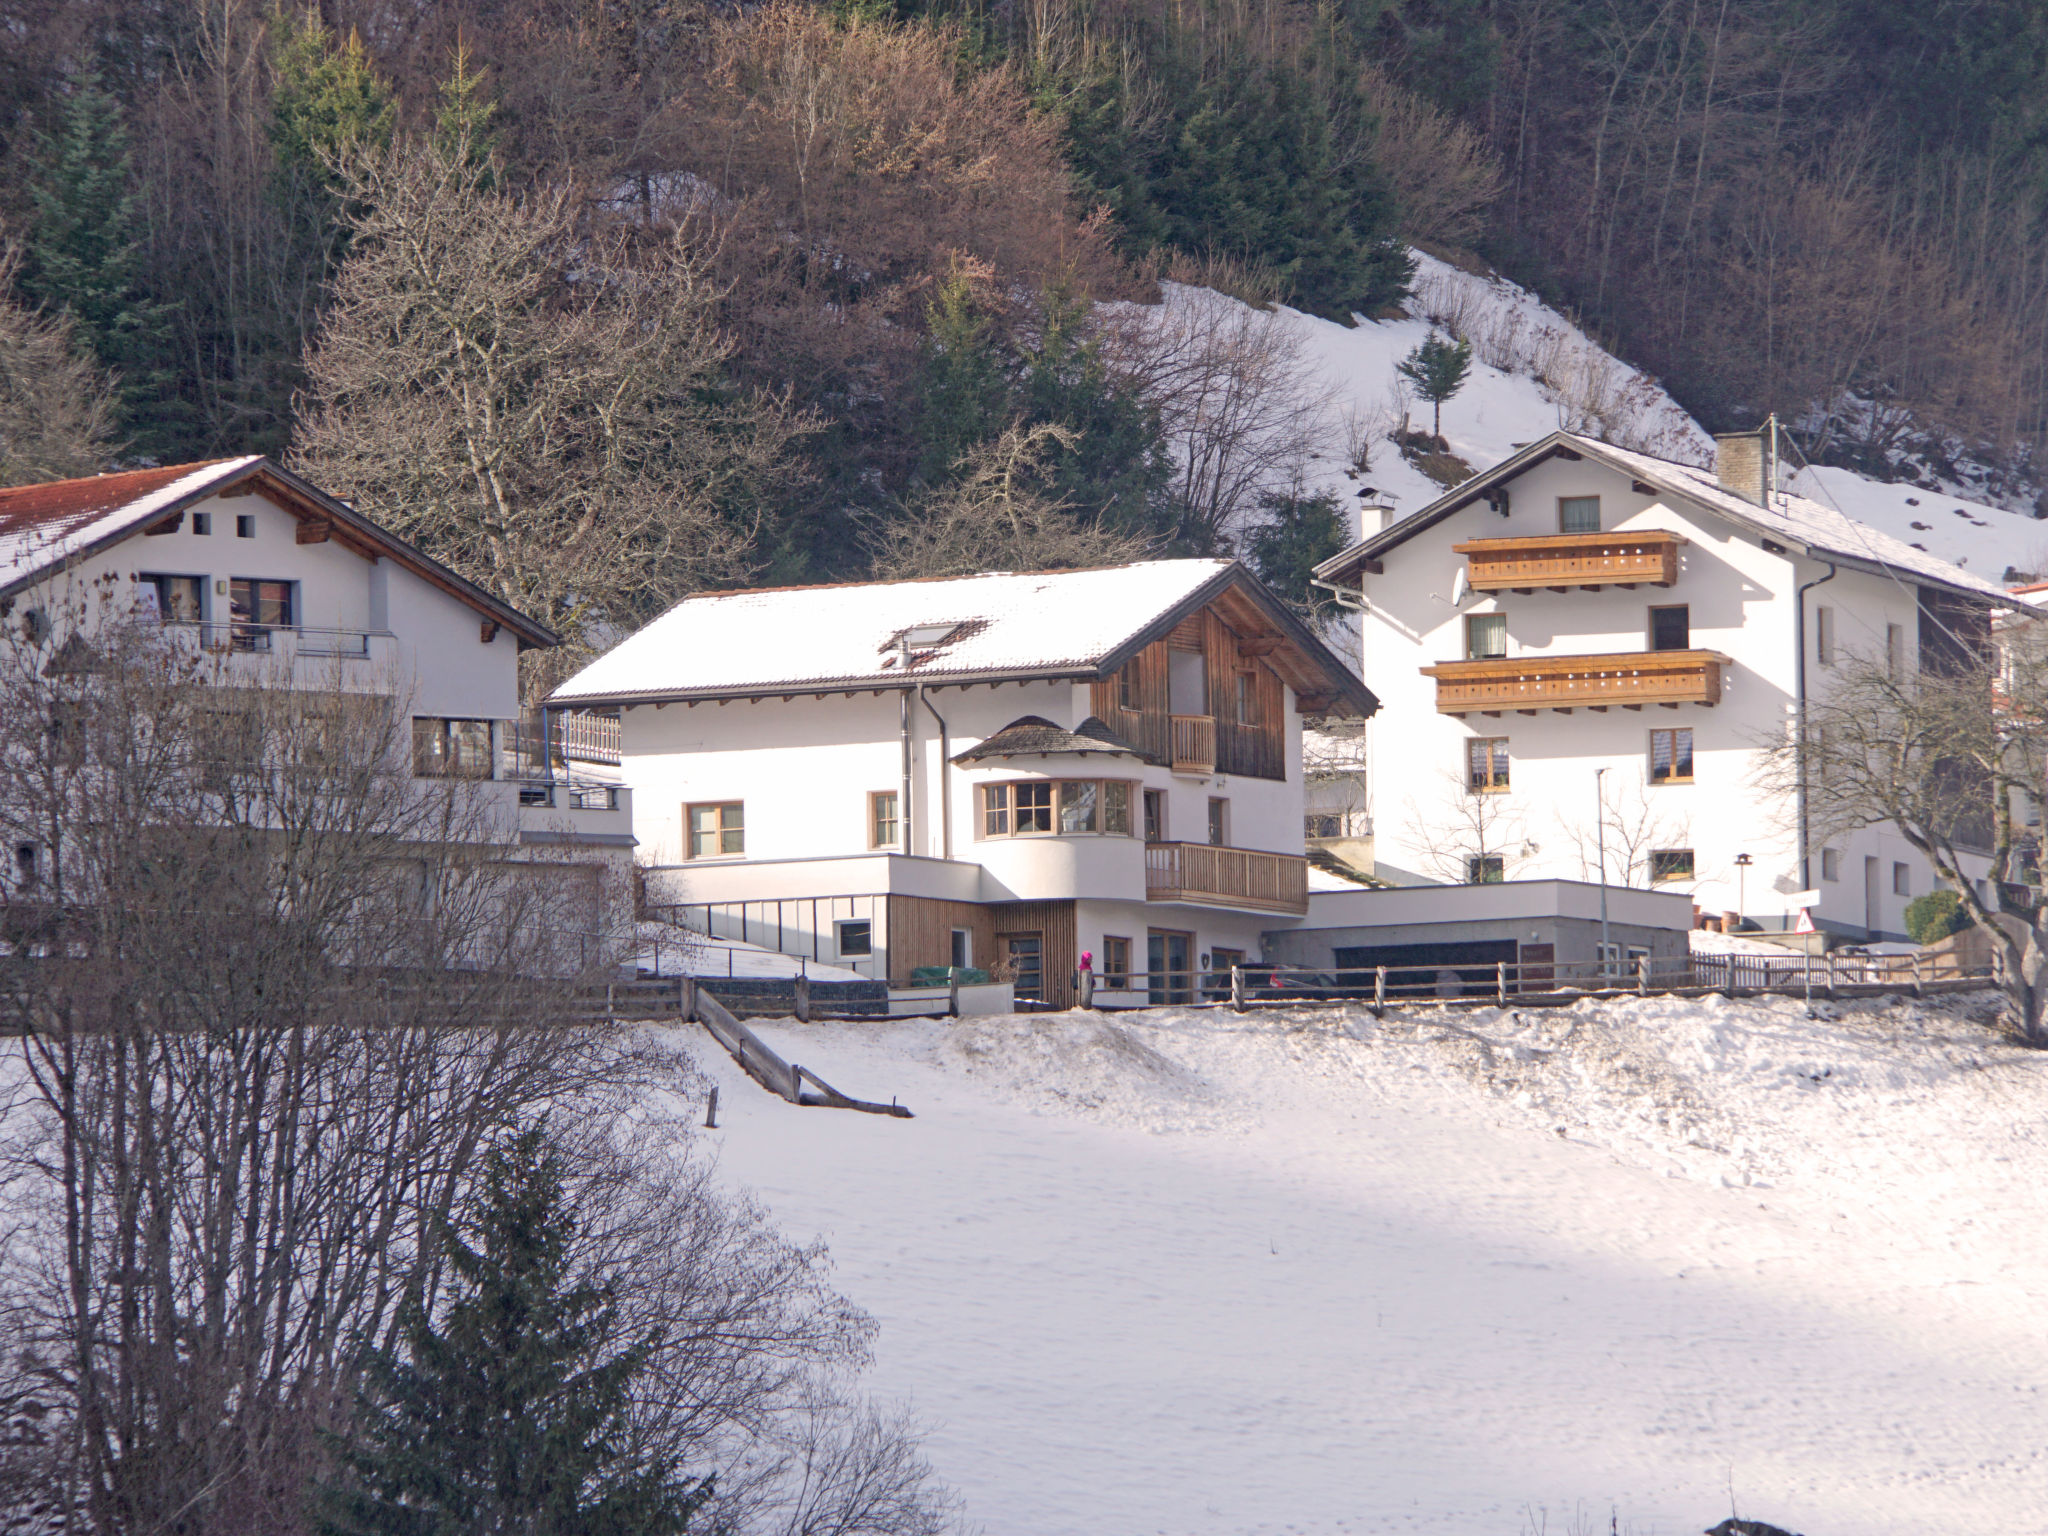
<point x="1059" y="950"/>
<point x="920" y="933"/>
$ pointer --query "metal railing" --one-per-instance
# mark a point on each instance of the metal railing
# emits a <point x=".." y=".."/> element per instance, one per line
<point x="568" y="794"/>
<point x="310" y="640"/>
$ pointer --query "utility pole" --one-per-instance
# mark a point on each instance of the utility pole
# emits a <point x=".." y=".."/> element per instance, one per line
<point x="1600" y="834"/>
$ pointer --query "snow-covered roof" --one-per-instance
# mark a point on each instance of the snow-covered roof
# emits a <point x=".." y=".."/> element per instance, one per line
<point x="995" y="627"/>
<point x="42" y="526"/>
<point x="45" y="527"/>
<point x="1821" y="531"/>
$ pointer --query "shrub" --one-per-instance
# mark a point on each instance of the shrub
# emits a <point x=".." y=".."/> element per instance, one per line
<point x="1935" y="916"/>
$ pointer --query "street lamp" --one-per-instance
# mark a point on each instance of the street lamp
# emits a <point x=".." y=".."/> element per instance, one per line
<point x="1742" y="863"/>
<point x="1600" y="835"/>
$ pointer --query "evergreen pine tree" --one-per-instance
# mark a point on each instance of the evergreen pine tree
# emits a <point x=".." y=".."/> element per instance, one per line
<point x="462" y="123"/>
<point x="1437" y="368"/>
<point x="511" y="1416"/>
<point x="326" y="101"/>
<point x="1299" y="533"/>
<point x="964" y="385"/>
<point x="84" y="258"/>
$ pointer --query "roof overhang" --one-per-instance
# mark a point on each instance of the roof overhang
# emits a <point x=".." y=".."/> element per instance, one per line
<point x="1365" y="555"/>
<point x="321" y="518"/>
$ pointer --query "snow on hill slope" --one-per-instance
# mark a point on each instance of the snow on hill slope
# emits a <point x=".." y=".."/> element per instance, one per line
<point x="1186" y="1273"/>
<point x="1535" y="371"/>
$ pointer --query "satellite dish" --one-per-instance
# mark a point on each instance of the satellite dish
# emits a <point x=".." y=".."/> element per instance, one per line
<point x="1460" y="588"/>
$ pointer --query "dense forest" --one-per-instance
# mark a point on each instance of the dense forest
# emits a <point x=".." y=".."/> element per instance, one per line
<point x="605" y="299"/>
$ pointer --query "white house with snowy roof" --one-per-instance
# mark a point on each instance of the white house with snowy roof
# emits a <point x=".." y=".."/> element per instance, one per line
<point x="1584" y="644"/>
<point x="281" y="584"/>
<point x="998" y="771"/>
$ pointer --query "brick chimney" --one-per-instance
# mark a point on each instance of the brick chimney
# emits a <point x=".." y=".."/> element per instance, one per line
<point x="1742" y="466"/>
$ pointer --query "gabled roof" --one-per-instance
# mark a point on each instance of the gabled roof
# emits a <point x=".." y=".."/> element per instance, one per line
<point x="1036" y="736"/>
<point x="45" y="527"/>
<point x="1818" y="531"/>
<point x="996" y="627"/>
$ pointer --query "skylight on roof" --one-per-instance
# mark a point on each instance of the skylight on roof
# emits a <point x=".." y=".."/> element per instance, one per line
<point x="924" y="635"/>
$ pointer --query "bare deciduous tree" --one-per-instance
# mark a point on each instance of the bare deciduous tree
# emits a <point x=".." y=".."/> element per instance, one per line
<point x="56" y="410"/>
<point x="1242" y="405"/>
<point x="1635" y="826"/>
<point x="994" y="516"/>
<point x="1468" y="836"/>
<point x="1953" y="757"/>
<point x="275" y="997"/>
<point x="538" y="405"/>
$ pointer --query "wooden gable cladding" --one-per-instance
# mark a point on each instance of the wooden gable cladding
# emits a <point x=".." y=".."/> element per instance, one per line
<point x="1254" y="746"/>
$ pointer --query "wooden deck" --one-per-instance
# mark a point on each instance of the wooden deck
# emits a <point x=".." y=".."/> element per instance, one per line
<point x="1226" y="877"/>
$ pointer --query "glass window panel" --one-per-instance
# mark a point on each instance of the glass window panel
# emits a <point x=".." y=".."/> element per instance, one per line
<point x="1486" y="636"/>
<point x="1033" y="807"/>
<point x="1116" y="808"/>
<point x="1579" y="514"/>
<point x="1077" y="805"/>
<point x="732" y="837"/>
<point x="1671" y="628"/>
<point x="882" y="819"/>
<point x="995" y="810"/>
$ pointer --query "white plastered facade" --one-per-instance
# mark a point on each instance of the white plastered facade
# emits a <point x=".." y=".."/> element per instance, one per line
<point x="1742" y="601"/>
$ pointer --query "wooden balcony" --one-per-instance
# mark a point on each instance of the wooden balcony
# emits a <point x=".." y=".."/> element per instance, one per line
<point x="1561" y="561"/>
<point x="1226" y="877"/>
<point x="1564" y="683"/>
<point x="1193" y="744"/>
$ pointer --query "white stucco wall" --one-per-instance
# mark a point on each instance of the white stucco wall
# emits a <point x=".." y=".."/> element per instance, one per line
<point x="804" y="768"/>
<point x="426" y="646"/>
<point x="1741" y="603"/>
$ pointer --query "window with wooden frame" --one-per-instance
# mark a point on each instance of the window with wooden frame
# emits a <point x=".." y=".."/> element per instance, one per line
<point x="451" y="749"/>
<point x="1486" y="764"/>
<point x="1671" y="627"/>
<point x="1116" y="961"/>
<point x="1127" y="686"/>
<point x="1670" y="864"/>
<point x="1219" y="821"/>
<point x="1070" y="807"/>
<point x="1578" y="514"/>
<point x="717" y="829"/>
<point x="1247" y="698"/>
<point x="885" y="825"/>
<point x="1155" y="815"/>
<point x="1671" y="756"/>
<point x="1486" y="636"/>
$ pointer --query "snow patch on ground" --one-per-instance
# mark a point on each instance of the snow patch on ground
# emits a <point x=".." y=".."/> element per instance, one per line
<point x="1535" y="371"/>
<point x="1304" y="1271"/>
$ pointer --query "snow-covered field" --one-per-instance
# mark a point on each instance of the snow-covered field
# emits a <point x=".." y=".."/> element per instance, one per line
<point x="1191" y="1273"/>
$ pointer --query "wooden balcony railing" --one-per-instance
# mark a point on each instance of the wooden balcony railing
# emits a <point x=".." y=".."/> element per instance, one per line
<point x="1194" y="744"/>
<point x="1562" y="561"/>
<point x="1226" y="877"/>
<point x="1564" y="683"/>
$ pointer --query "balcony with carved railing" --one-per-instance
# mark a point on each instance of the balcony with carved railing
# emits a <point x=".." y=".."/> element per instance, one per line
<point x="1561" y="561"/>
<point x="1247" y="878"/>
<point x="1193" y="742"/>
<point x="1630" y="680"/>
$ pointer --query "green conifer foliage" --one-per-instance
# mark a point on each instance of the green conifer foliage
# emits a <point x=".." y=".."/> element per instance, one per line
<point x="511" y="1416"/>
<point x="1437" y="368"/>
<point x="326" y="101"/>
<point x="462" y="124"/>
<point x="1300" y="533"/>
<point x="84" y="259"/>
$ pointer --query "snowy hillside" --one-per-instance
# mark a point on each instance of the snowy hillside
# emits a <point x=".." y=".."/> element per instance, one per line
<point x="1188" y="1273"/>
<point x="1533" y="372"/>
